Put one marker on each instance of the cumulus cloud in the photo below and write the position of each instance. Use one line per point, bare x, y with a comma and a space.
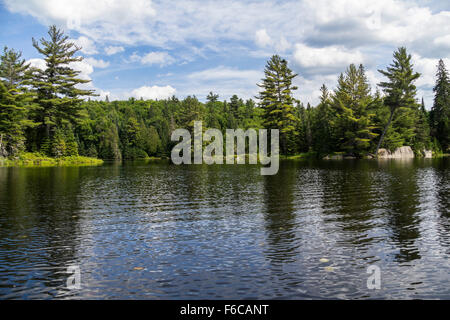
86, 44
110, 50
37, 63
160, 23
444, 40
262, 38
222, 72
326, 59
98, 63
159, 58
154, 92
95, 19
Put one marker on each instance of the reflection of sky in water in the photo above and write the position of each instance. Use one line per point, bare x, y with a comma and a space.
163, 231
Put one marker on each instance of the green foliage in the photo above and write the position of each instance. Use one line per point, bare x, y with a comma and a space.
440, 113
277, 102
33, 159
351, 102
15, 103
324, 137
400, 95
56, 87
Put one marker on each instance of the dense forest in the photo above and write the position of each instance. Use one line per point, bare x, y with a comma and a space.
45, 112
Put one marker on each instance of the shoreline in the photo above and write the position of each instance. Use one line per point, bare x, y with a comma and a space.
42, 161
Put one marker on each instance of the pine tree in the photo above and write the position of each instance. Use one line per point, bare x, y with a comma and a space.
399, 89
13, 68
351, 101
422, 139
212, 107
15, 102
322, 127
212, 97
440, 113
277, 102
56, 86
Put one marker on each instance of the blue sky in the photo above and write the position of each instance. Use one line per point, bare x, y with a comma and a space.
155, 49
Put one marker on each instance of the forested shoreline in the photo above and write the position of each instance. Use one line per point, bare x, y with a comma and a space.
44, 112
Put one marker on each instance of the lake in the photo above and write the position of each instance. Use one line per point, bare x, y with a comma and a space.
153, 230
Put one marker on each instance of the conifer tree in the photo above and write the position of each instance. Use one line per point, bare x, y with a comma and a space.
422, 130
323, 136
15, 102
440, 113
351, 101
13, 68
277, 102
56, 87
400, 90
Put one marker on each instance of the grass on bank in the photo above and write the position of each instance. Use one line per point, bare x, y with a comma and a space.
29, 159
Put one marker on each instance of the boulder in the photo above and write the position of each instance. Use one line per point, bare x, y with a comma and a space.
404, 152
384, 153
427, 154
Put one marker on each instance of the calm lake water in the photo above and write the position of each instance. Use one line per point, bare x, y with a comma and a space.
151, 230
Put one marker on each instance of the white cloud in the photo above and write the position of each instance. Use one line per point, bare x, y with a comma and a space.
374, 78
110, 50
93, 18
262, 39
283, 45
98, 63
161, 23
224, 73
326, 57
154, 92
86, 44
309, 88
222, 80
427, 68
159, 58
444, 40
37, 63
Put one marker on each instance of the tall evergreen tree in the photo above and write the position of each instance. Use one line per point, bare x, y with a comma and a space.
15, 102
351, 101
13, 68
422, 130
399, 89
323, 122
277, 102
56, 86
440, 113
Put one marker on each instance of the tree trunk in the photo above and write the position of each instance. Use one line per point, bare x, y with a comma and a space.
384, 132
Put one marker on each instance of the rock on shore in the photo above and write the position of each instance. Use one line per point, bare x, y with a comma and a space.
404, 152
